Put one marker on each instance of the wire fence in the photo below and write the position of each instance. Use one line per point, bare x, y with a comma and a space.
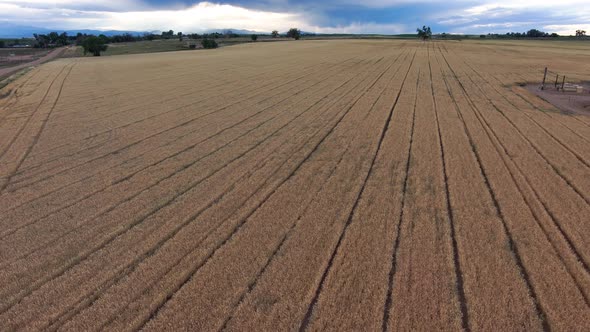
556, 81
553, 79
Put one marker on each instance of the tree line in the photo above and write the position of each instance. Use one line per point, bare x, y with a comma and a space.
96, 44
532, 33
54, 39
426, 33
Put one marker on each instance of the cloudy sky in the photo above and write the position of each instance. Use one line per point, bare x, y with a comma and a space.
328, 16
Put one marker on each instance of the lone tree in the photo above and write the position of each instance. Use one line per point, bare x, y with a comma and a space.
275, 34
254, 37
424, 33
94, 45
580, 33
294, 33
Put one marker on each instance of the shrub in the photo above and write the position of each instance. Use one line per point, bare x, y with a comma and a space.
209, 43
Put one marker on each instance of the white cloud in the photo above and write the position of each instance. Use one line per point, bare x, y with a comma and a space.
200, 17
359, 28
501, 25
205, 15
508, 15
457, 20
77, 5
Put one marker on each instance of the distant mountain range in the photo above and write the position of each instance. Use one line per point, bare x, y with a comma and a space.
236, 31
22, 31
249, 32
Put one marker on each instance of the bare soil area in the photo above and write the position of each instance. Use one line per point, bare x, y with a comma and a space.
12, 64
567, 102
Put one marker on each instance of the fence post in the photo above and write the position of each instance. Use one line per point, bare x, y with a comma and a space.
556, 79
544, 77
563, 83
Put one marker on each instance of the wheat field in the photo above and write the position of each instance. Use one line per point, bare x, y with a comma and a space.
313, 185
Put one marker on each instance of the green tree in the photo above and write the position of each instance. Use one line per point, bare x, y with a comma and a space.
94, 45
294, 33
424, 33
254, 37
2, 44
167, 34
275, 34
53, 37
209, 43
534, 33
179, 34
103, 38
580, 33
42, 41
62, 39
80, 38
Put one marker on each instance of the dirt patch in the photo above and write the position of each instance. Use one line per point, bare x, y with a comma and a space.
567, 102
23, 62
